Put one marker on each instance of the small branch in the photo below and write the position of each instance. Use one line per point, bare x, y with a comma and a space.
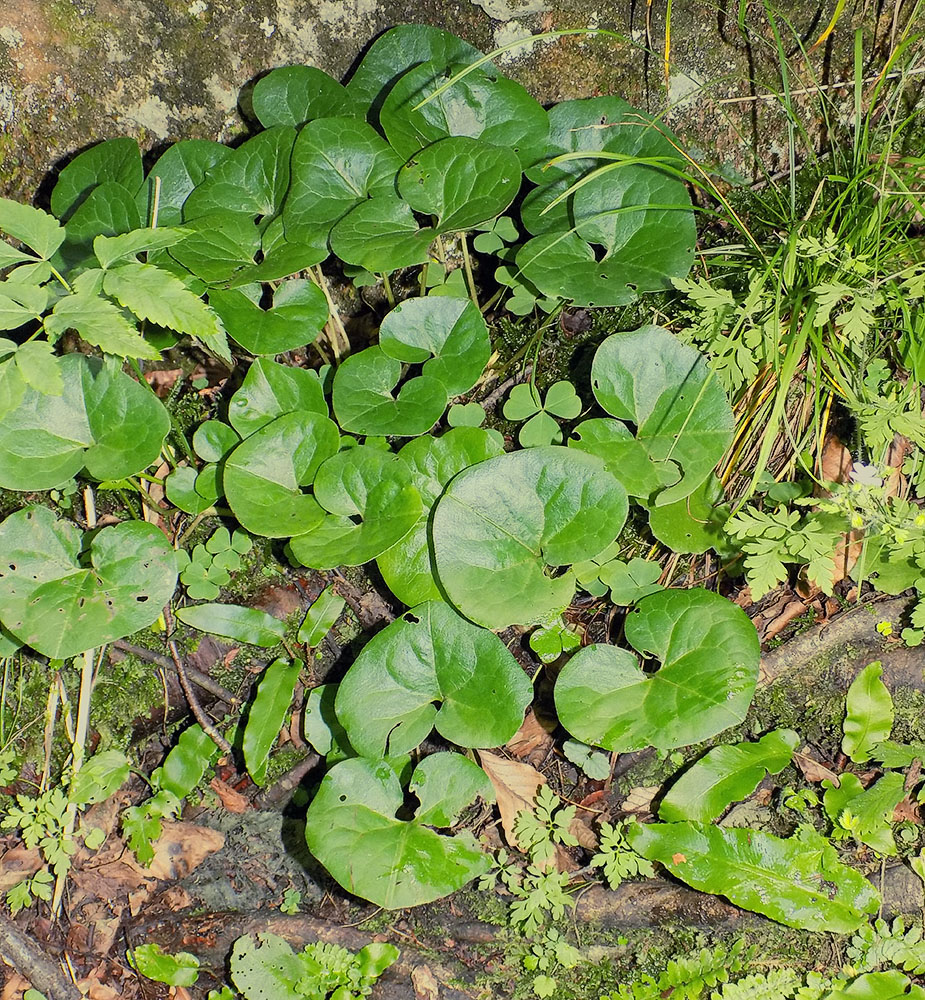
33, 964
279, 793
200, 679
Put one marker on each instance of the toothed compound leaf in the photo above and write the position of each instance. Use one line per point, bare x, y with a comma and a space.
39, 231
101, 323
432, 669
708, 649
61, 606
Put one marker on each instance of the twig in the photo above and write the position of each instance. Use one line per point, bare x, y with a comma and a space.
33, 964
838, 85
193, 701
281, 789
196, 676
492, 398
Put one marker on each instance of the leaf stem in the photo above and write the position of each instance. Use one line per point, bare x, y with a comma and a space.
467, 264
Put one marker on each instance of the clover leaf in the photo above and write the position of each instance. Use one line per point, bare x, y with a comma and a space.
363, 483
709, 653
541, 429
630, 581
501, 523
432, 669
59, 606
404, 862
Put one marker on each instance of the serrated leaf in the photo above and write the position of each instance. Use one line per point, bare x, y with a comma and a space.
109, 249
726, 774
231, 621
37, 229
39, 368
709, 653
267, 715
432, 669
868, 714
101, 323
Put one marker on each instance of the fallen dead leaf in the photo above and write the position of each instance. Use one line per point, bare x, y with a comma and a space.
163, 380
907, 811
180, 848
580, 829
533, 741
14, 986
515, 786
639, 800
232, 800
812, 769
836, 462
16, 864
791, 610
425, 983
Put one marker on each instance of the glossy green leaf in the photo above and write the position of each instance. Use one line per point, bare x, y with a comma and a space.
726, 774
868, 714
695, 522
293, 95
263, 476
798, 882
667, 389
625, 457
870, 809
231, 621
890, 985
708, 649
482, 105
501, 523
270, 390
404, 863
108, 210
337, 163
37, 229
117, 160
445, 784
180, 487
320, 617
178, 171
267, 715
185, 765
60, 605
371, 505
295, 319
213, 440
382, 235
102, 419
364, 404
320, 724
462, 182
220, 245
181, 969
398, 50
630, 581
407, 567
253, 180
432, 669
452, 330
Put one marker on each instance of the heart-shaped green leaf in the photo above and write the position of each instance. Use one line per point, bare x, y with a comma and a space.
337, 163
213, 440
61, 607
117, 160
298, 313
221, 245
481, 105
404, 863
359, 483
253, 180
708, 648
725, 775
500, 524
263, 476
694, 523
108, 210
461, 181
180, 487
382, 235
364, 403
667, 389
432, 669
798, 882
452, 330
102, 420
293, 95
179, 169
270, 390
625, 457
407, 567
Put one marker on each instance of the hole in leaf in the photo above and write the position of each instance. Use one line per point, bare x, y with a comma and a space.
141, 598
343, 798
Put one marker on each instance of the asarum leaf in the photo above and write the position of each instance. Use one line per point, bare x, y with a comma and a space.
232, 621
293, 95
220, 245
298, 313
381, 235
263, 476
482, 105
625, 456
726, 774
102, 420
501, 523
364, 404
352, 830
408, 567
868, 714
709, 652
61, 605
108, 210
693, 523
270, 390
462, 182
180, 487
213, 440
432, 669
337, 163
117, 160
179, 169
364, 483
667, 389
452, 330
798, 882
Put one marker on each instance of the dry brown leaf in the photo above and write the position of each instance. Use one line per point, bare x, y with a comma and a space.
907, 811
425, 983
533, 740
639, 800
14, 986
791, 610
580, 829
16, 864
895, 456
180, 848
836, 462
232, 800
812, 769
515, 786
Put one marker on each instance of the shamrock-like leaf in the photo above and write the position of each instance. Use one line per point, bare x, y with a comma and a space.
630, 581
